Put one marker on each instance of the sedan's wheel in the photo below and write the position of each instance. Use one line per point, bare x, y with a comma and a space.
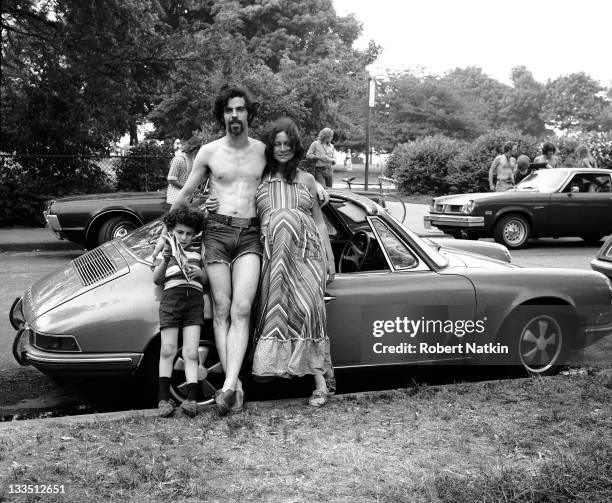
542, 335
116, 228
512, 231
210, 374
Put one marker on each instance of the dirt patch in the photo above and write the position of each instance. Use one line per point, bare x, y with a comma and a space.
507, 440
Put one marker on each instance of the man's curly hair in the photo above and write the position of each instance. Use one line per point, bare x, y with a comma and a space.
185, 215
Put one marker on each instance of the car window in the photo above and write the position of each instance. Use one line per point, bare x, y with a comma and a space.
588, 183
353, 215
399, 254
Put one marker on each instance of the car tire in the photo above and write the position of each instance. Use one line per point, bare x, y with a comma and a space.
512, 231
539, 338
116, 227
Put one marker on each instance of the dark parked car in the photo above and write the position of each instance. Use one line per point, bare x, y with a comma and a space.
548, 203
396, 300
603, 261
93, 219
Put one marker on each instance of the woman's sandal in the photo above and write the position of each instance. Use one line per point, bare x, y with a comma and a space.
318, 398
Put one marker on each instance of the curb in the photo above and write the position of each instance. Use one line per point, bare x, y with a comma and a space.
249, 406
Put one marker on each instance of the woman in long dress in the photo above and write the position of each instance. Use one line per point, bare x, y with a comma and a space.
290, 334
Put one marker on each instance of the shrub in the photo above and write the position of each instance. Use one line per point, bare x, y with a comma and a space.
144, 168
421, 166
27, 182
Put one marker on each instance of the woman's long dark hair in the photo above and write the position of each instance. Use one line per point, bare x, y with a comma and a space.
289, 169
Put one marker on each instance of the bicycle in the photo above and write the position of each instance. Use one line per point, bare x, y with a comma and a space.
387, 193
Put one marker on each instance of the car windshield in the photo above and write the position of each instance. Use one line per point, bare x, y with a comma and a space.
142, 241
544, 180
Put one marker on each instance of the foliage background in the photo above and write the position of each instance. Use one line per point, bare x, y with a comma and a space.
77, 76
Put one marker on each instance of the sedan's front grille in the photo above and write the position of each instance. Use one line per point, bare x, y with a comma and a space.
94, 266
454, 208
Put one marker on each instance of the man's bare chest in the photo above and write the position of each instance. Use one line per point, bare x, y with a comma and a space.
237, 166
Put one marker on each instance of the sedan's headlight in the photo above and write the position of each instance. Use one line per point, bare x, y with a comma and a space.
54, 342
468, 207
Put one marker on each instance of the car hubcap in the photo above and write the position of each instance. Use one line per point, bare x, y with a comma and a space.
514, 232
540, 343
122, 231
210, 376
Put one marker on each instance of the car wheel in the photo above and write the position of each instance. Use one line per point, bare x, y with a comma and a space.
116, 228
539, 338
210, 374
512, 231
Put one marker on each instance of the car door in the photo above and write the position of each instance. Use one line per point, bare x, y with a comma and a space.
583, 206
399, 314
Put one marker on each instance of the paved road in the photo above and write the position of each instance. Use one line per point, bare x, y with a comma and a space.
21, 387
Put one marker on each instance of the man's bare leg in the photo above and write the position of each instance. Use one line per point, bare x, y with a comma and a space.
245, 278
220, 280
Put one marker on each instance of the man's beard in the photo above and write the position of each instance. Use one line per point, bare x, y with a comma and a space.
232, 129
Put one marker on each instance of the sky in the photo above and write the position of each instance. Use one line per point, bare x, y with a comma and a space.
550, 38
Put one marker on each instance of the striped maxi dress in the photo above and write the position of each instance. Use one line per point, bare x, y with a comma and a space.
290, 334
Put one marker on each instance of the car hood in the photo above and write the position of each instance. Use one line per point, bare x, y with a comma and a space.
112, 196
80, 275
460, 199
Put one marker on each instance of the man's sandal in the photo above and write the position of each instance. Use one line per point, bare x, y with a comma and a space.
318, 398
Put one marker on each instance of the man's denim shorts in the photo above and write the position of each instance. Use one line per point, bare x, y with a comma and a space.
228, 238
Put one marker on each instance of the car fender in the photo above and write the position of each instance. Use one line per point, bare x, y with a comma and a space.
505, 210
96, 220
499, 294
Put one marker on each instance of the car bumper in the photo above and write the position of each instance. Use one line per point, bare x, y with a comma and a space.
73, 364
602, 266
458, 221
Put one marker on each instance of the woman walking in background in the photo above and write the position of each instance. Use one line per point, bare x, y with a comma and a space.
291, 334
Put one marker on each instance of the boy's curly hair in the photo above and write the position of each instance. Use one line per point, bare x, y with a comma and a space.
185, 215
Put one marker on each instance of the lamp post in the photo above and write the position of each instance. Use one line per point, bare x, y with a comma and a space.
371, 95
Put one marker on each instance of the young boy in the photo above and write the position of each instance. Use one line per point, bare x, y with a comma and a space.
183, 277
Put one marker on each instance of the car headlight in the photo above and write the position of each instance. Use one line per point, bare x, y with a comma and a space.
468, 207
54, 342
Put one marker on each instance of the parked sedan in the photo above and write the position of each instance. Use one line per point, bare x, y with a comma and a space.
548, 203
93, 219
396, 300
603, 261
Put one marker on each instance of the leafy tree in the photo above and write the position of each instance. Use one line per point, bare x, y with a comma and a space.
574, 102
522, 105
481, 94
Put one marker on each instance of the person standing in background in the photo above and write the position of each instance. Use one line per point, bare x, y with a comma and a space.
180, 167
501, 173
548, 156
323, 153
586, 160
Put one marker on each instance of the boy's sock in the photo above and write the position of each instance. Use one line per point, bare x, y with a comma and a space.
192, 391
164, 388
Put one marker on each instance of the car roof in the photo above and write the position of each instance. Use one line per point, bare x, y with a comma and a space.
584, 170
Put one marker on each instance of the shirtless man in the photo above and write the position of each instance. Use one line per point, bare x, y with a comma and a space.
234, 165
548, 156
501, 173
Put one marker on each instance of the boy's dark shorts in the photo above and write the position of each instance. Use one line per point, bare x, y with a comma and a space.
181, 306
228, 238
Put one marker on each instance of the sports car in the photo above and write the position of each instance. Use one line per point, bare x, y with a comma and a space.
548, 203
396, 300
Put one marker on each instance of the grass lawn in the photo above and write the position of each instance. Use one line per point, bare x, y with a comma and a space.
539, 439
